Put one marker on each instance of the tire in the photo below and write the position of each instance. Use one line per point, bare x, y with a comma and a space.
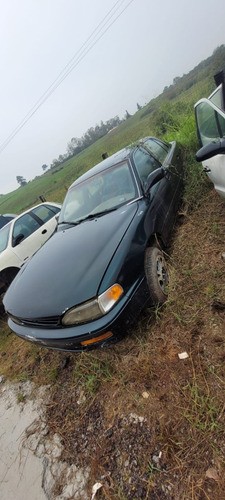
5, 280
2, 293
156, 274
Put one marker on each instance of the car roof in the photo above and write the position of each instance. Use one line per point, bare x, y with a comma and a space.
8, 215
7, 225
5, 218
31, 208
117, 157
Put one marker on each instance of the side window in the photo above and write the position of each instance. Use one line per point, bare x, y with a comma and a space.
54, 209
216, 97
159, 150
4, 236
221, 121
45, 212
25, 225
208, 123
144, 163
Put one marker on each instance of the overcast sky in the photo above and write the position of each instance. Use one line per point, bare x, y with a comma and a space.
144, 49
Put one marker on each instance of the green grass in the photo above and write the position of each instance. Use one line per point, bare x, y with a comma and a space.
21, 397
90, 371
202, 411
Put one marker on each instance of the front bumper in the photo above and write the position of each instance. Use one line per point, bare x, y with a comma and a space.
116, 321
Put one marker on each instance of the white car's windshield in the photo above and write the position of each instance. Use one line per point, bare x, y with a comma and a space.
4, 236
101, 193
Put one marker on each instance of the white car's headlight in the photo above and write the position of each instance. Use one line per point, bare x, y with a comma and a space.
95, 308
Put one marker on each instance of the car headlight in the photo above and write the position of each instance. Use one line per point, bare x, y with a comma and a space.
93, 309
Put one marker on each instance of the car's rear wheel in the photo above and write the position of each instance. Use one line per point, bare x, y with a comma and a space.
157, 274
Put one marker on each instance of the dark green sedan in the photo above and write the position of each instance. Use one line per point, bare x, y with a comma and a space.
105, 262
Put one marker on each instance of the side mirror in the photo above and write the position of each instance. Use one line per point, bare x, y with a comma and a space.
210, 150
18, 239
153, 178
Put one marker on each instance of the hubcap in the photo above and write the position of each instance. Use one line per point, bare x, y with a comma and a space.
162, 274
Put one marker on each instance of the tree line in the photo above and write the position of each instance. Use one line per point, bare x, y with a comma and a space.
78, 144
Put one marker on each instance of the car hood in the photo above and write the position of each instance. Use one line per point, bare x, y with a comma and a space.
69, 268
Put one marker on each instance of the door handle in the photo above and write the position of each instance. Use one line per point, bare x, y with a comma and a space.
44, 231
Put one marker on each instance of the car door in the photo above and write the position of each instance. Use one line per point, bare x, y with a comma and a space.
25, 237
47, 215
210, 121
163, 195
30, 231
167, 154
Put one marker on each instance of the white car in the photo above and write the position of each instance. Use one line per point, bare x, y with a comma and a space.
22, 237
210, 120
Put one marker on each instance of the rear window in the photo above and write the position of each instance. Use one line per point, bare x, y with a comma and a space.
45, 212
158, 149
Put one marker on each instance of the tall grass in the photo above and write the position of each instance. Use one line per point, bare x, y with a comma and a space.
183, 130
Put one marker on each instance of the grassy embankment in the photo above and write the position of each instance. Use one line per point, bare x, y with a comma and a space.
97, 398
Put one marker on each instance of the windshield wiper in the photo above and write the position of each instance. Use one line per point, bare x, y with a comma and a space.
88, 217
69, 223
97, 214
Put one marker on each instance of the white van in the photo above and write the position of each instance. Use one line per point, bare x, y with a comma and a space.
210, 121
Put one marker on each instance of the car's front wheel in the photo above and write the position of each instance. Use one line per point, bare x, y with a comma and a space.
6, 278
157, 274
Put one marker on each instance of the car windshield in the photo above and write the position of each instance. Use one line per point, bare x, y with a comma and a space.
4, 236
98, 194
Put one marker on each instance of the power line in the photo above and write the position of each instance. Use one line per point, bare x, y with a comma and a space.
54, 84
90, 42
71, 60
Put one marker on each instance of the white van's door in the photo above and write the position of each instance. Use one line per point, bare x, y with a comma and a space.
210, 122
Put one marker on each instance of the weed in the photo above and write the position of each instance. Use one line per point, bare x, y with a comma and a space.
202, 412
215, 228
210, 290
178, 317
52, 374
92, 383
152, 469
90, 371
21, 397
22, 377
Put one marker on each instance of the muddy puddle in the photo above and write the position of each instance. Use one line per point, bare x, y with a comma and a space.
30, 465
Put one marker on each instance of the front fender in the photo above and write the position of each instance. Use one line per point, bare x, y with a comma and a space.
127, 264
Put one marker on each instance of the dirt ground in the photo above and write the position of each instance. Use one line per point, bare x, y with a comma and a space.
147, 424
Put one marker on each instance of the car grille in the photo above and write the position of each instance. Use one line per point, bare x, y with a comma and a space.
49, 322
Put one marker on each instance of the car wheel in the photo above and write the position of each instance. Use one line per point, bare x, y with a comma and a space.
156, 274
5, 280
